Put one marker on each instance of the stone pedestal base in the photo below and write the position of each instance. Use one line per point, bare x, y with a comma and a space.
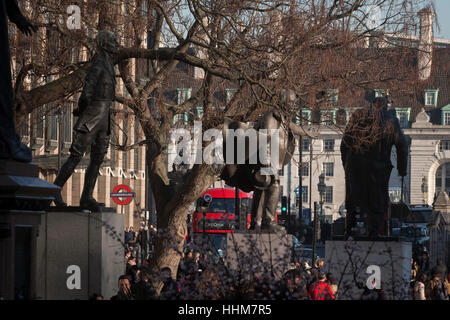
352, 264
256, 254
89, 243
23, 199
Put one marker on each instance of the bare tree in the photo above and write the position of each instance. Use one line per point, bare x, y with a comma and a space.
258, 47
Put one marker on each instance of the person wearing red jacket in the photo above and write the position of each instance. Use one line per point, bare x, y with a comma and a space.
321, 290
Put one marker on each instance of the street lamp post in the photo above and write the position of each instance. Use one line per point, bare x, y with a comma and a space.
59, 115
321, 187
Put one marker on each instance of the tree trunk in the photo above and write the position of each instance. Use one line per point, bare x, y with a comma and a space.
172, 227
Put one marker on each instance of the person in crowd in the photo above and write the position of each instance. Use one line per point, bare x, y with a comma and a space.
264, 288
412, 282
293, 286
197, 262
142, 240
424, 263
130, 263
318, 267
130, 239
190, 266
332, 282
143, 289
133, 274
203, 263
440, 268
447, 283
321, 290
210, 286
152, 231
419, 286
128, 236
170, 288
436, 289
181, 267
124, 289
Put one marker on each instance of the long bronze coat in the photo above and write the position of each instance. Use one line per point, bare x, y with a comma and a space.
98, 89
366, 157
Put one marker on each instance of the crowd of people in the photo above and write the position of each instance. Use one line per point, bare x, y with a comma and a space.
428, 283
204, 276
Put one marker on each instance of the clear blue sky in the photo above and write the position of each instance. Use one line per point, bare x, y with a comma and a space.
443, 17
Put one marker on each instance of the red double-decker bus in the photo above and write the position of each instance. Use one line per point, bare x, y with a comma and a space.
215, 218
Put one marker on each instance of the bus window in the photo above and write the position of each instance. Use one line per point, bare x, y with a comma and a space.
219, 205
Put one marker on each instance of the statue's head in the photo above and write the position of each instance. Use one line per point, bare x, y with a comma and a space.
107, 41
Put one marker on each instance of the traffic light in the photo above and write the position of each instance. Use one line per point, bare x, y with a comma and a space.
284, 205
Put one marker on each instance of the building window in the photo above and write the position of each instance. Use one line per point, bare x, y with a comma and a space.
305, 194
51, 124
328, 198
443, 178
444, 145
446, 115
305, 144
403, 116
67, 123
305, 169
183, 95
328, 145
379, 93
333, 95
328, 169
431, 97
39, 125
305, 118
446, 119
327, 117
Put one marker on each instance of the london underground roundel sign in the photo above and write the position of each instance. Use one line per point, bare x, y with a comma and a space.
124, 192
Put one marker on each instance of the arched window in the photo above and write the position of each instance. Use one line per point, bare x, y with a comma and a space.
443, 178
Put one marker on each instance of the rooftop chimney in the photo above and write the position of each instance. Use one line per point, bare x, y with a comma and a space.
425, 54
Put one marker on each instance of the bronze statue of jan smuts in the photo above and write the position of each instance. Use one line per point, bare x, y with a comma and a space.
92, 130
366, 157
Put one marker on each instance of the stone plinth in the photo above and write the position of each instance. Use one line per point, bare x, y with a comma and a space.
91, 241
349, 261
23, 199
259, 253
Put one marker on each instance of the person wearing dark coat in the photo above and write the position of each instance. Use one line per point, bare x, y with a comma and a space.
10, 145
143, 289
440, 269
142, 239
124, 292
170, 287
366, 157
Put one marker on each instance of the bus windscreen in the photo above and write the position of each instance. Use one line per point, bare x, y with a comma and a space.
218, 205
